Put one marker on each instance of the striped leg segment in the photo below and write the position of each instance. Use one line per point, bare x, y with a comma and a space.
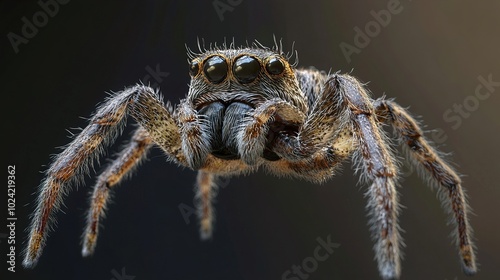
129, 158
426, 158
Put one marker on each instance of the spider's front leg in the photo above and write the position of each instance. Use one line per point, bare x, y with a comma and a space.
378, 167
342, 117
145, 105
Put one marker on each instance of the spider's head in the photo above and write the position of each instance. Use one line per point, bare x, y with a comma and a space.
248, 75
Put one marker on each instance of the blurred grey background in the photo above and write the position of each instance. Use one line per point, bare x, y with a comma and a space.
430, 56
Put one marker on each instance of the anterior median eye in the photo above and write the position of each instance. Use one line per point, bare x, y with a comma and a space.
275, 66
215, 69
246, 69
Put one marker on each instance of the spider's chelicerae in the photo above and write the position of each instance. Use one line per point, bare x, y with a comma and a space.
248, 108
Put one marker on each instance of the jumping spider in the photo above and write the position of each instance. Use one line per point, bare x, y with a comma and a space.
247, 108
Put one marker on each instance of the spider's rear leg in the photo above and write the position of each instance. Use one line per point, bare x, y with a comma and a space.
426, 158
206, 190
145, 105
120, 167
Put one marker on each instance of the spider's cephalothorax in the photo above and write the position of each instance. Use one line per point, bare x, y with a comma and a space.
248, 108
226, 86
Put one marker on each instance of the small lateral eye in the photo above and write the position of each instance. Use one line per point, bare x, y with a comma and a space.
215, 69
194, 68
275, 66
246, 69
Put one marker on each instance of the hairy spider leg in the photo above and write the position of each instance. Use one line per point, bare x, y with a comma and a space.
378, 164
129, 157
146, 107
344, 106
428, 160
206, 190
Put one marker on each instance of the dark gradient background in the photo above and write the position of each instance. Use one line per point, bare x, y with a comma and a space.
428, 57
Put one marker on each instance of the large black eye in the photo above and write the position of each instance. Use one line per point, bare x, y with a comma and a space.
275, 66
194, 68
246, 69
215, 69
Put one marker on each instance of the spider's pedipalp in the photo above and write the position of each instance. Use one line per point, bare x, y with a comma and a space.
323, 138
258, 130
129, 158
196, 140
427, 159
325, 120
